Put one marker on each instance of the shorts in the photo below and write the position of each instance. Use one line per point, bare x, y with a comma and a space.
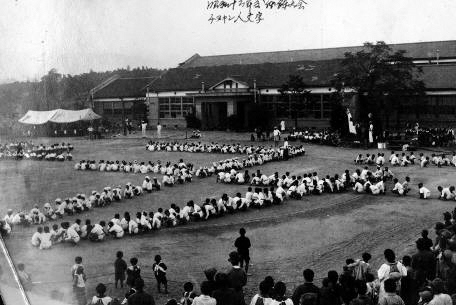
161, 279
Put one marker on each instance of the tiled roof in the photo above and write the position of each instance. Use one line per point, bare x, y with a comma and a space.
273, 75
418, 50
124, 87
267, 75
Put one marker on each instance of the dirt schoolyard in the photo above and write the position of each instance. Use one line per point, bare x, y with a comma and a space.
317, 232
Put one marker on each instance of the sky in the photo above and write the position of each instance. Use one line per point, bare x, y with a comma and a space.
76, 36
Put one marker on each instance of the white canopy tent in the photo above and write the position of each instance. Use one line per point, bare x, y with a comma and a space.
58, 116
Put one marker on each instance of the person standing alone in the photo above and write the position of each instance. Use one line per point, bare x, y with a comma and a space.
243, 245
159, 130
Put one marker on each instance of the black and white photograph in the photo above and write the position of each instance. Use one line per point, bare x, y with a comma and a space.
227, 152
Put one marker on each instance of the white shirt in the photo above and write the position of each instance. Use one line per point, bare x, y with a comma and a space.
266, 301
426, 192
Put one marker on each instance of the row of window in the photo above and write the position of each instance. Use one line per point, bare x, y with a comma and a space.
175, 107
315, 106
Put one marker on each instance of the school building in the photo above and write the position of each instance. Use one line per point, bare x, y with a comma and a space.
213, 88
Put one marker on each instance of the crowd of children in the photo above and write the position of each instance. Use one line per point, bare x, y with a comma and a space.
136, 167
404, 159
317, 137
29, 151
214, 148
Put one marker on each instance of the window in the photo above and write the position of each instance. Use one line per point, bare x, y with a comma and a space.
175, 107
163, 103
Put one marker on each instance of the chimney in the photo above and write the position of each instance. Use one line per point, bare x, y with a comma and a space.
438, 55
202, 86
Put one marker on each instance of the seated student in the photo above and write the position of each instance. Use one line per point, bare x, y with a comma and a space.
424, 161
137, 190
69, 209
157, 219
57, 234
395, 160
46, 239
405, 160
98, 232
359, 159
36, 237
423, 191
115, 230
133, 227
405, 185
219, 207
128, 191
208, 209
446, 193
358, 188
72, 233
168, 180
380, 159
85, 229
36, 215
5, 228
255, 180
398, 188
144, 224
116, 193
453, 159
377, 188
169, 219
195, 210
387, 173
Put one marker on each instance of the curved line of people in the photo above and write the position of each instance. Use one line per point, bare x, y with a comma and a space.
214, 148
80, 203
29, 151
144, 222
402, 159
135, 167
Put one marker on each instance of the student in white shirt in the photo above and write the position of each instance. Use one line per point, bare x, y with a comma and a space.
147, 184
398, 188
358, 188
36, 237
98, 233
423, 191
115, 230
446, 193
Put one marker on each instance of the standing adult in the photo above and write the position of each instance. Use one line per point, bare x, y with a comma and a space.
143, 128
159, 130
243, 245
276, 135
282, 126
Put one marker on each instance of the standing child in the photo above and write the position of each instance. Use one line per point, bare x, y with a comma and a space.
133, 272
77, 263
120, 266
160, 273
79, 288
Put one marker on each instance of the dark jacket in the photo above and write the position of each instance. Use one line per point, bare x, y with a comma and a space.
140, 298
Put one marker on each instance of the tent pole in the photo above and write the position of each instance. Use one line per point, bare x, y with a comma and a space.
16, 276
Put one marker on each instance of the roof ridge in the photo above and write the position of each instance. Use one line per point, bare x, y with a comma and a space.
328, 48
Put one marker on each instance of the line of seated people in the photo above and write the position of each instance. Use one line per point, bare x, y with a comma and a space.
30, 151
144, 222
402, 159
212, 147
134, 167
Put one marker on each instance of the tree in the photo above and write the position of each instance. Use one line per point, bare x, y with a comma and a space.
380, 77
298, 96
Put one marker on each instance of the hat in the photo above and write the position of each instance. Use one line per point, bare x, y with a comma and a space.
94, 192
58, 200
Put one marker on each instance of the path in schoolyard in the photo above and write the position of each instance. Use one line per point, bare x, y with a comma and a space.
318, 232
